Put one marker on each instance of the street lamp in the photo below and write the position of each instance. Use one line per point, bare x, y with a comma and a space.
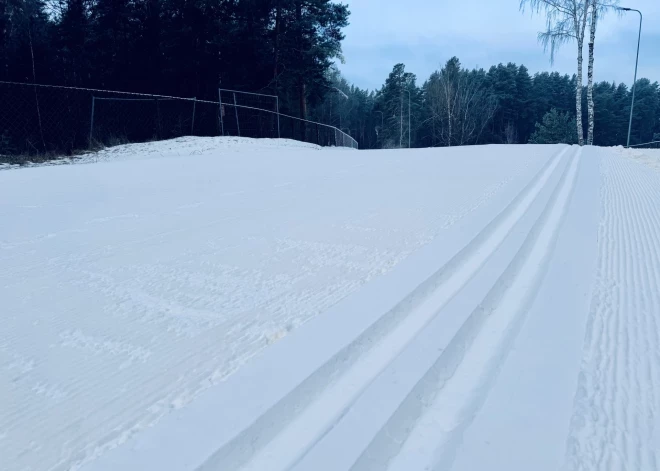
338, 91
408, 118
639, 37
382, 120
632, 104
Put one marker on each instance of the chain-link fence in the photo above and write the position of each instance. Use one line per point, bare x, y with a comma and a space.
646, 145
46, 121
253, 103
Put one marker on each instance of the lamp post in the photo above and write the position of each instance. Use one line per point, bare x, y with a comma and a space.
382, 121
339, 92
408, 118
632, 103
381, 118
639, 37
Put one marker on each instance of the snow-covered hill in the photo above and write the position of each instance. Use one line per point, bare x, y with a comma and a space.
179, 147
208, 304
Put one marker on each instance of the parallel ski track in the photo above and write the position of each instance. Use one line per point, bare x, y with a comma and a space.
617, 409
315, 406
432, 437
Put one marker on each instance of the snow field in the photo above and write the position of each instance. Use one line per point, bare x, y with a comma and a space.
132, 285
240, 305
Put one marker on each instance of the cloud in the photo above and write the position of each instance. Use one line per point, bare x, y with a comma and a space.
423, 34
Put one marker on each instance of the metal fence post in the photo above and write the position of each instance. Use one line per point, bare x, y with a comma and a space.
277, 101
220, 112
158, 130
238, 126
318, 135
91, 122
192, 126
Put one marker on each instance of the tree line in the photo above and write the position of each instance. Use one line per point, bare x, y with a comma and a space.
504, 104
190, 48
457, 106
187, 48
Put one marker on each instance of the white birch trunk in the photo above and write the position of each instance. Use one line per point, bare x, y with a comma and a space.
580, 21
590, 72
578, 95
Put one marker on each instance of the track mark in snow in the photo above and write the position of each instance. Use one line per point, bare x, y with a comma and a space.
103, 346
451, 219
432, 438
17, 366
112, 218
615, 423
372, 351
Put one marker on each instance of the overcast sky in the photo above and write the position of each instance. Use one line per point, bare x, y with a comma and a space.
423, 34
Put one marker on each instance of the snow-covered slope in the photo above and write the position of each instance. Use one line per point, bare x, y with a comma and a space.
278, 308
180, 147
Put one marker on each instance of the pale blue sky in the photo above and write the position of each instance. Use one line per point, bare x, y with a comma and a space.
425, 33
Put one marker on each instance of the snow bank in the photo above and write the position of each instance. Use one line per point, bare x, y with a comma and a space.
178, 147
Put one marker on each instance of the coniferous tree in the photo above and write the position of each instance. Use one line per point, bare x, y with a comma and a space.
391, 101
524, 100
309, 39
556, 128
644, 123
72, 39
286, 47
504, 89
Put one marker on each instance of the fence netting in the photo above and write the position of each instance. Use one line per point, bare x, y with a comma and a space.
43, 120
647, 145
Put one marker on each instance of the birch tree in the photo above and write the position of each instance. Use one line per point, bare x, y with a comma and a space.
590, 72
566, 20
459, 105
598, 8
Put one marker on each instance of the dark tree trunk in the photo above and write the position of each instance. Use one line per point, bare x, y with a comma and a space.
276, 59
302, 89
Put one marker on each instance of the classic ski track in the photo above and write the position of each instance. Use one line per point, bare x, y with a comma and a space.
312, 408
435, 433
614, 423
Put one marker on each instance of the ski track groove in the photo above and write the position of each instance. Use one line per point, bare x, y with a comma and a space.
438, 430
614, 419
318, 417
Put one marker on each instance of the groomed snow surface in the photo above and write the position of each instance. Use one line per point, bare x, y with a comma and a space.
230, 304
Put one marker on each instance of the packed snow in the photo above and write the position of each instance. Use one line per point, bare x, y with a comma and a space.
648, 157
232, 304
